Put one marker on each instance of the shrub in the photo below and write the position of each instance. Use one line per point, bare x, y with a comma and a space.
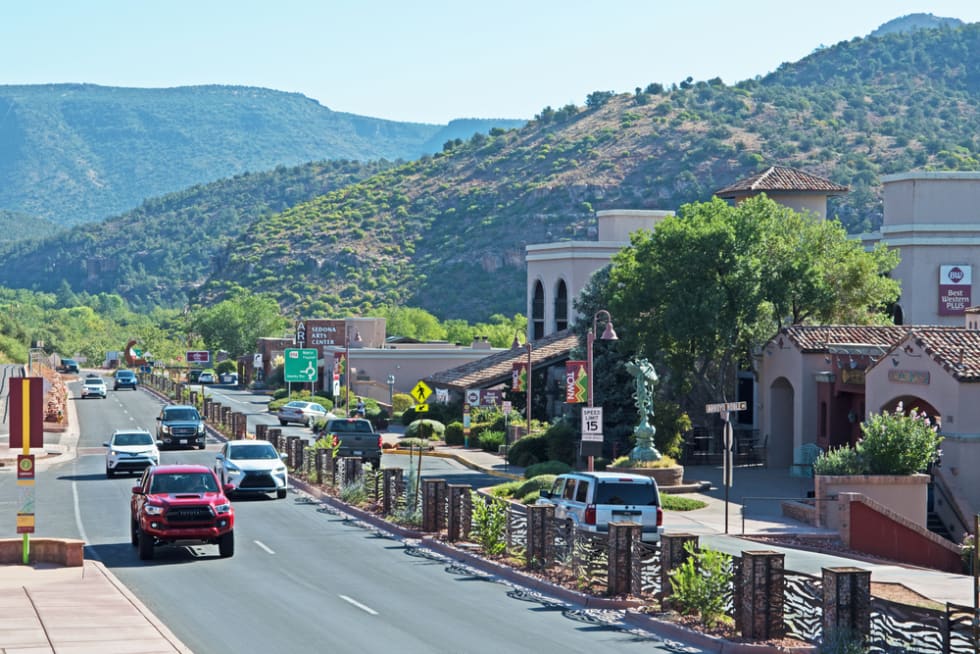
893, 444
700, 583
401, 402
506, 489
225, 366
425, 429
562, 442
414, 443
491, 441
678, 503
528, 450
546, 468
454, 433
533, 485
626, 462
489, 523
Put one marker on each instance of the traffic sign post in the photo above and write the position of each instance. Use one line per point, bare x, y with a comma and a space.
592, 424
727, 442
300, 365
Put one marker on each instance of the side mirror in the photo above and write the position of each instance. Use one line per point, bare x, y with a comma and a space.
229, 489
283, 456
159, 418
138, 490
159, 443
219, 457
106, 444
545, 493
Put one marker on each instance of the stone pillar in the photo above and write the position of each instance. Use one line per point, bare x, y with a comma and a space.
294, 454
847, 601
261, 431
454, 516
672, 555
433, 504
241, 423
540, 544
622, 536
225, 416
206, 411
193, 398
759, 600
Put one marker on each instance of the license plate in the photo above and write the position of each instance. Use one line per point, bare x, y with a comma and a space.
183, 441
626, 513
358, 452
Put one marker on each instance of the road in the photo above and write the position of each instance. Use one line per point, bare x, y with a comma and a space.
302, 577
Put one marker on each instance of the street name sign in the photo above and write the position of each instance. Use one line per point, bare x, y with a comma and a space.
725, 406
300, 365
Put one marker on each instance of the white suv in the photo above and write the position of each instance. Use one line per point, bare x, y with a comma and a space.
130, 450
591, 500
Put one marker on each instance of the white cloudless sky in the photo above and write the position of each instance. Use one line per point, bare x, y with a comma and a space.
429, 61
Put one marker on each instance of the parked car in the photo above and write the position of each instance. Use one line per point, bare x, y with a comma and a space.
69, 365
125, 378
130, 450
252, 466
181, 425
303, 413
180, 504
591, 500
94, 387
206, 377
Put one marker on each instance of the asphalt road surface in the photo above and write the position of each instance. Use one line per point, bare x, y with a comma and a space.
302, 578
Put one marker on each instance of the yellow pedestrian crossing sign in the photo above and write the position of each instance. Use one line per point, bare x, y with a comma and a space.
421, 392
421, 408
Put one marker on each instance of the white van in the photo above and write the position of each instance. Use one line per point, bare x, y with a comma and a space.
591, 500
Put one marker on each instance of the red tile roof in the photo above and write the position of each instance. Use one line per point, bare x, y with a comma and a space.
819, 338
779, 179
957, 350
497, 368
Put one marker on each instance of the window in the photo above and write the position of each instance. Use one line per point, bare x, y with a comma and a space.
569, 489
537, 311
582, 494
561, 306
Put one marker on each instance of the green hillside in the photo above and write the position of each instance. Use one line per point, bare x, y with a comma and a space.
447, 232
76, 153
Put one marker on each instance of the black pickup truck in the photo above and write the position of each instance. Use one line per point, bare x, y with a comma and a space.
356, 437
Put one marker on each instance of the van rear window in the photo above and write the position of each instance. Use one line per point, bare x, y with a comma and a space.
616, 493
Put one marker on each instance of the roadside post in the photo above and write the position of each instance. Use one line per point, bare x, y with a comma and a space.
26, 402
727, 444
466, 425
506, 407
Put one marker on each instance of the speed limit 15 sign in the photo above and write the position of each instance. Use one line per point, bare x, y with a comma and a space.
592, 423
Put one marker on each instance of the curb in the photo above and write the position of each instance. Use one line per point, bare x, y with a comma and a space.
461, 461
121, 588
632, 616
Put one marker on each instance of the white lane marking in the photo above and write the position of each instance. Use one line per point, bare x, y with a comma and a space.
354, 602
264, 546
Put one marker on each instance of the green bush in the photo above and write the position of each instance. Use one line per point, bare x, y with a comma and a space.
506, 489
893, 444
401, 402
225, 366
454, 433
425, 429
528, 450
533, 485
489, 523
546, 468
491, 441
414, 443
700, 583
562, 442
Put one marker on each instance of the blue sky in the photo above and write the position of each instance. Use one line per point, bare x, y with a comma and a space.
428, 61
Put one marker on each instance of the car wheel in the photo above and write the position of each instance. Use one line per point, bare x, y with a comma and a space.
375, 464
310, 421
109, 474
134, 534
283, 422
145, 546
226, 545
202, 445
281, 493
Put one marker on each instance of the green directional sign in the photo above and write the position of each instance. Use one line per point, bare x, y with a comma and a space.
300, 365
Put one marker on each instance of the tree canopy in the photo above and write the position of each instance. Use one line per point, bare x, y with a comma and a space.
235, 324
704, 290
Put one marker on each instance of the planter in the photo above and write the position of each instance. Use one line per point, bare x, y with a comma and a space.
672, 476
905, 495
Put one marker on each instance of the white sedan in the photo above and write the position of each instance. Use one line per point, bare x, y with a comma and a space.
252, 466
131, 450
304, 413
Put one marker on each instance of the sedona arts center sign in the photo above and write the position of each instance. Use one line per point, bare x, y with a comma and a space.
955, 285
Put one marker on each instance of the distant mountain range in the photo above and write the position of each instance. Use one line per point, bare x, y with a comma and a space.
78, 153
447, 231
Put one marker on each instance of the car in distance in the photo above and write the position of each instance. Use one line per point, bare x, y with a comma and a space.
303, 413
251, 466
354, 437
69, 365
130, 450
180, 425
125, 379
94, 387
206, 377
180, 505
591, 500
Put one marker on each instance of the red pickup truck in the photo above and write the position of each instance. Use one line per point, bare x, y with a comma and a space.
181, 505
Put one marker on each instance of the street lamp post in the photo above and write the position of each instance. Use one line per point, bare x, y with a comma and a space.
608, 334
347, 368
391, 392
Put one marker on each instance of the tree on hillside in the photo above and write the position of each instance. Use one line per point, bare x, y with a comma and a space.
704, 290
237, 323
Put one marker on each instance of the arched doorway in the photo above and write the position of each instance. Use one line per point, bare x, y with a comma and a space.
910, 402
781, 421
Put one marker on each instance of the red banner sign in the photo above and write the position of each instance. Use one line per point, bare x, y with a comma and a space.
26, 412
576, 382
519, 377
